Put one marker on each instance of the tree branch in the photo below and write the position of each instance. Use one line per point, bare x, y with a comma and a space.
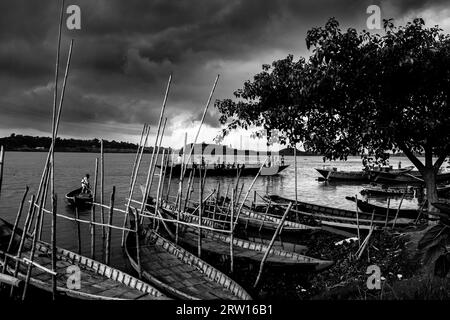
419, 165
440, 161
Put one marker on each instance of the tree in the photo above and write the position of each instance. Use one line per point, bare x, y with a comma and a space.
357, 92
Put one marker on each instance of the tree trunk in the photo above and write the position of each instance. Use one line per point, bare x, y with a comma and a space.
429, 176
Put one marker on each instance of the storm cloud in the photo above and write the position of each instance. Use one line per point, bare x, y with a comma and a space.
126, 50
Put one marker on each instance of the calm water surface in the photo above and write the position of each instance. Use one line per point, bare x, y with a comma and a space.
25, 168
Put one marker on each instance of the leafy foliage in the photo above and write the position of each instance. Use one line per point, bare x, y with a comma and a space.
357, 92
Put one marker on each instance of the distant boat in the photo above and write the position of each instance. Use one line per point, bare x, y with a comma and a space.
229, 171
382, 190
336, 217
79, 199
412, 177
332, 174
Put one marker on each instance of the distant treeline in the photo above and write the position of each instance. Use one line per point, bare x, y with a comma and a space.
17, 142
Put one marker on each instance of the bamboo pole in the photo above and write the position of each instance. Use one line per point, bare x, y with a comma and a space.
102, 186
182, 170
265, 214
271, 244
16, 222
33, 250
217, 199
154, 160
110, 221
138, 151
55, 208
158, 191
202, 119
14, 231
43, 200
398, 210
44, 173
170, 177
133, 183
200, 181
357, 220
164, 165
179, 199
248, 192
94, 198
77, 216
152, 169
2, 161
189, 191
52, 157
44, 204
138, 246
231, 235
27, 223
158, 149
387, 212
296, 183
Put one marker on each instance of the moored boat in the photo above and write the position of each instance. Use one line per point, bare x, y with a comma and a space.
333, 174
219, 243
365, 206
336, 217
178, 272
97, 281
444, 207
217, 170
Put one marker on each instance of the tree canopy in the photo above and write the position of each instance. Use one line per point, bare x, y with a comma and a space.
357, 92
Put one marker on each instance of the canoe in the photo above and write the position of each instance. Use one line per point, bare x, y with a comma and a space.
251, 219
248, 170
413, 177
386, 191
380, 210
219, 243
332, 174
444, 207
336, 217
98, 281
178, 272
79, 199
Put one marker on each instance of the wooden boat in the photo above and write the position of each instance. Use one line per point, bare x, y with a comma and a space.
253, 219
335, 217
332, 174
389, 191
248, 170
180, 273
413, 177
79, 199
444, 207
219, 243
380, 210
98, 281
260, 221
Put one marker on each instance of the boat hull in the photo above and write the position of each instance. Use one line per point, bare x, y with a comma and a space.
231, 172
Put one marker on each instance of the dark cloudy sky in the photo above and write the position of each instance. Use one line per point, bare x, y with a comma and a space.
126, 50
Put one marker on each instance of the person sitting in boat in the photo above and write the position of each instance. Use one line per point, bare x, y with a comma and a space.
85, 186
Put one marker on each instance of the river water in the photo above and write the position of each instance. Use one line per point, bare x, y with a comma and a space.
25, 168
